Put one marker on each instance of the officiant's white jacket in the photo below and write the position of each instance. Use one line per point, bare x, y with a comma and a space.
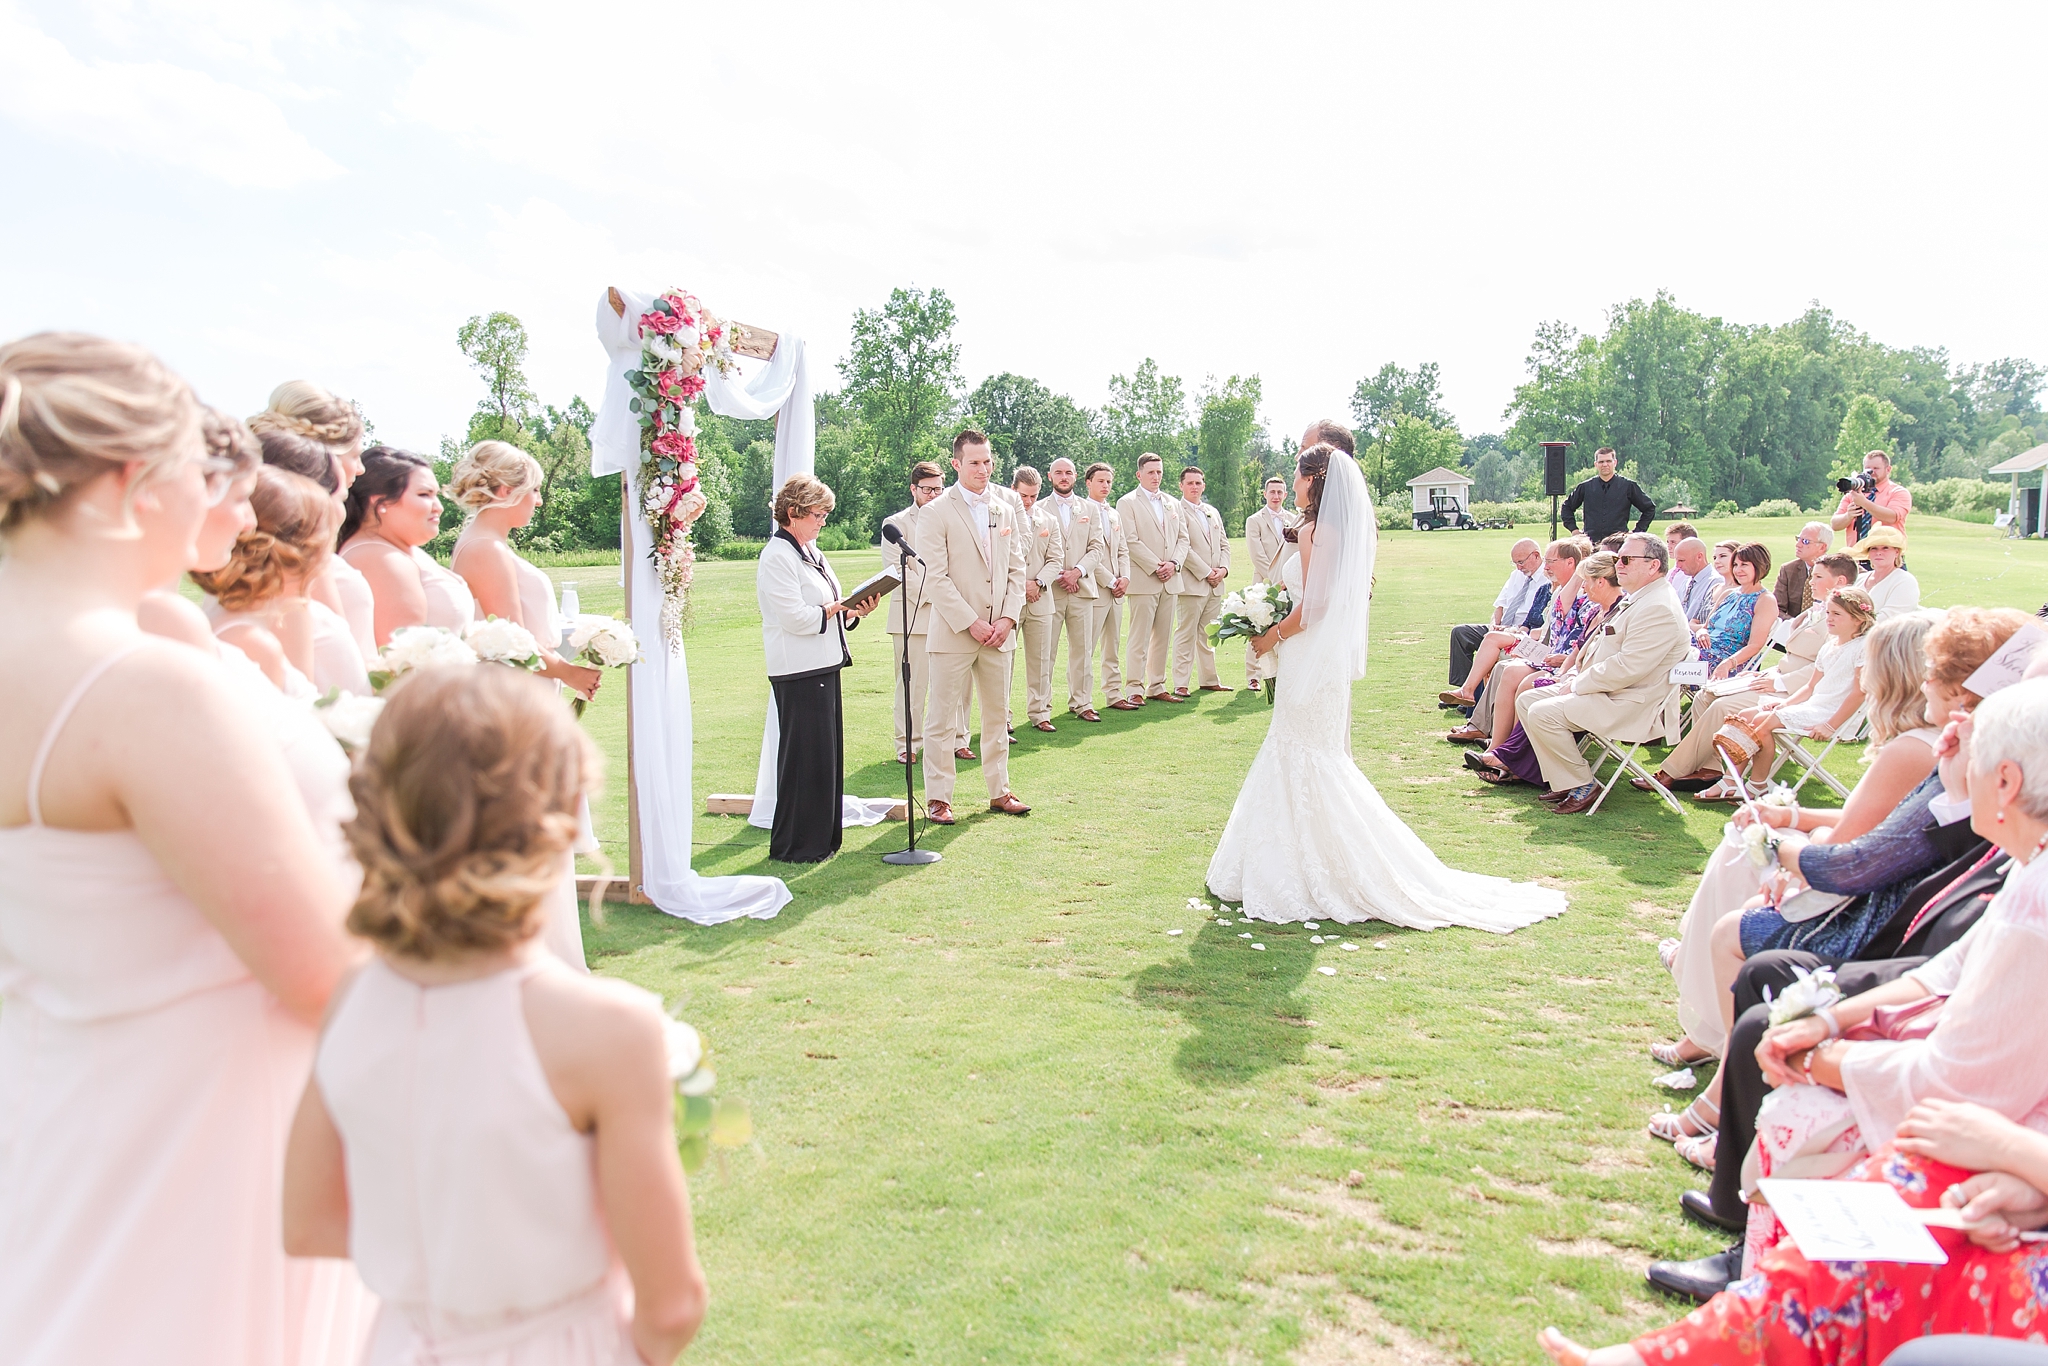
792, 592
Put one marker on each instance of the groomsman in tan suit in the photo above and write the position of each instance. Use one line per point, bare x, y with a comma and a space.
1043, 555
1207, 566
1623, 678
1157, 538
1113, 579
1083, 546
1265, 532
926, 483
973, 549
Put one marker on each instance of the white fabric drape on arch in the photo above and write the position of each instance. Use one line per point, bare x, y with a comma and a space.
663, 731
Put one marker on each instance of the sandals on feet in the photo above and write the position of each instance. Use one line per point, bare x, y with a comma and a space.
1687, 1123
1674, 1056
1698, 1151
1667, 951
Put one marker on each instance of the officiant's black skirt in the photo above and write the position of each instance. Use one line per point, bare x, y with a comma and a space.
810, 768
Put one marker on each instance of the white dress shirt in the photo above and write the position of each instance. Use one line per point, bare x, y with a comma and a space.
977, 503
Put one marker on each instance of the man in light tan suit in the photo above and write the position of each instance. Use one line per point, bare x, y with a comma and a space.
973, 551
926, 483
1043, 554
1074, 589
1113, 578
1694, 765
1265, 534
1156, 536
1208, 565
1623, 681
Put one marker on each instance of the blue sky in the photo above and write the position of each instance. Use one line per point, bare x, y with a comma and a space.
268, 191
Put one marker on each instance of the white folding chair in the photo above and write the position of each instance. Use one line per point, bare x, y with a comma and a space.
1623, 746
1790, 751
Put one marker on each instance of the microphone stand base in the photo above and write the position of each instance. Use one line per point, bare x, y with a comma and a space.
902, 856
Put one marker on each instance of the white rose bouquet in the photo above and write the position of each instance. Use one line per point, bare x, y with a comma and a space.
498, 641
1252, 612
418, 647
701, 1122
603, 643
348, 718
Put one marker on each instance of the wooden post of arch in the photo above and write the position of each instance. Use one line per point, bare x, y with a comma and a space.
758, 343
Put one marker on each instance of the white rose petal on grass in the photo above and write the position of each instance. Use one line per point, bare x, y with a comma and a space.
1681, 1080
1327, 972
1260, 947
1310, 925
1315, 939
1246, 935
1173, 931
1351, 948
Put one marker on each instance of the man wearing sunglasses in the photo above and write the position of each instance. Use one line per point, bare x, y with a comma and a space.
1794, 588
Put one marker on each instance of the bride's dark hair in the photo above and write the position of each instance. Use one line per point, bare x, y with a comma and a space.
1314, 465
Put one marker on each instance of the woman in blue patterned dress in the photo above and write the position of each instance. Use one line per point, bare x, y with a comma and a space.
1741, 625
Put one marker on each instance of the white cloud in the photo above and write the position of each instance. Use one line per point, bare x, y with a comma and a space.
152, 111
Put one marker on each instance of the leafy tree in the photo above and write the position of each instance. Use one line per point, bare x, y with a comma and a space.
496, 346
755, 489
1410, 446
1379, 399
1028, 424
1865, 427
1495, 478
1230, 413
1476, 447
1146, 411
902, 371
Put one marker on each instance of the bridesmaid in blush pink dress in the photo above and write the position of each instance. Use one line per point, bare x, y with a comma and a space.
311, 432
169, 917
393, 510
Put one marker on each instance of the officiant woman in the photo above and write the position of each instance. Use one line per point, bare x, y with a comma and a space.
803, 630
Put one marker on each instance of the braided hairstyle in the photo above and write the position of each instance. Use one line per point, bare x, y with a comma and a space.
295, 522
487, 467
465, 810
303, 409
74, 407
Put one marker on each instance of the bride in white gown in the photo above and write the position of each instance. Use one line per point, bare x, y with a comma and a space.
1310, 837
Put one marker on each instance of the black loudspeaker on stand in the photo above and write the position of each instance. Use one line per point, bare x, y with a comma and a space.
1553, 477
911, 854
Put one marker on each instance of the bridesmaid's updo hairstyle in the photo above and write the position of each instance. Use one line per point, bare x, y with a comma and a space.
295, 521
1314, 465
303, 409
228, 440
465, 811
74, 407
491, 472
386, 472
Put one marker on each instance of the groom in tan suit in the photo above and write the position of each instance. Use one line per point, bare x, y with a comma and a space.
1623, 679
1208, 565
1265, 533
973, 551
1157, 539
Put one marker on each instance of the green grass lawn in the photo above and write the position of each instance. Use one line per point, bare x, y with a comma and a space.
1004, 1116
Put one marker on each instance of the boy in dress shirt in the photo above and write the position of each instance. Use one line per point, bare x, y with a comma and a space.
1208, 565
1156, 536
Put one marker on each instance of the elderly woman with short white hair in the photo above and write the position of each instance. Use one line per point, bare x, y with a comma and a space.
803, 631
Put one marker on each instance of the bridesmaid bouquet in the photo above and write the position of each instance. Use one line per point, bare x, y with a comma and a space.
1252, 612
701, 1122
418, 647
602, 642
497, 641
348, 718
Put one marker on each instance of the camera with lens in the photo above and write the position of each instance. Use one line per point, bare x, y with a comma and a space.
1863, 482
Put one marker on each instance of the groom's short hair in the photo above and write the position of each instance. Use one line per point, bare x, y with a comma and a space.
1336, 434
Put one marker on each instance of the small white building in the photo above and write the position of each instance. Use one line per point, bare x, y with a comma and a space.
2025, 469
1442, 490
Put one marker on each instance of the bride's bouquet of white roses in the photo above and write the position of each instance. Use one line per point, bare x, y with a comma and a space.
1252, 612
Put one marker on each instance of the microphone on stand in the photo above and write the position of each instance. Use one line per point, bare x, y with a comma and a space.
895, 538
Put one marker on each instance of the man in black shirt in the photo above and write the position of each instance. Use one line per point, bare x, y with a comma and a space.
1607, 499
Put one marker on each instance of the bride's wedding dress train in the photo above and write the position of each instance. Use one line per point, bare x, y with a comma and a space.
1310, 837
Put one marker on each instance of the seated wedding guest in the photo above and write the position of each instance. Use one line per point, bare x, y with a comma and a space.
487, 1134
1695, 759
312, 433
1673, 534
394, 508
1511, 758
803, 631
1695, 580
499, 486
1890, 587
1623, 683
1820, 707
231, 450
1612, 544
1560, 570
1566, 622
1792, 591
926, 483
1517, 604
151, 1026
1897, 705
1740, 625
1893, 1089
259, 600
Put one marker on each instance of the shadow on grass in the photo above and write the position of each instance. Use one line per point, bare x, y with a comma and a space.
1244, 1004
1633, 833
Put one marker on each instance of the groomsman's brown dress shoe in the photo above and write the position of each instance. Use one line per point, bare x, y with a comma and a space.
1009, 805
963, 753
1045, 726
1253, 685
1216, 687
1123, 704
1165, 697
1181, 695
1088, 713
939, 813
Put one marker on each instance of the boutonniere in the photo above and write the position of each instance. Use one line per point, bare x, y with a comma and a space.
1003, 530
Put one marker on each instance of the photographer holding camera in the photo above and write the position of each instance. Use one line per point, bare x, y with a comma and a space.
1871, 499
